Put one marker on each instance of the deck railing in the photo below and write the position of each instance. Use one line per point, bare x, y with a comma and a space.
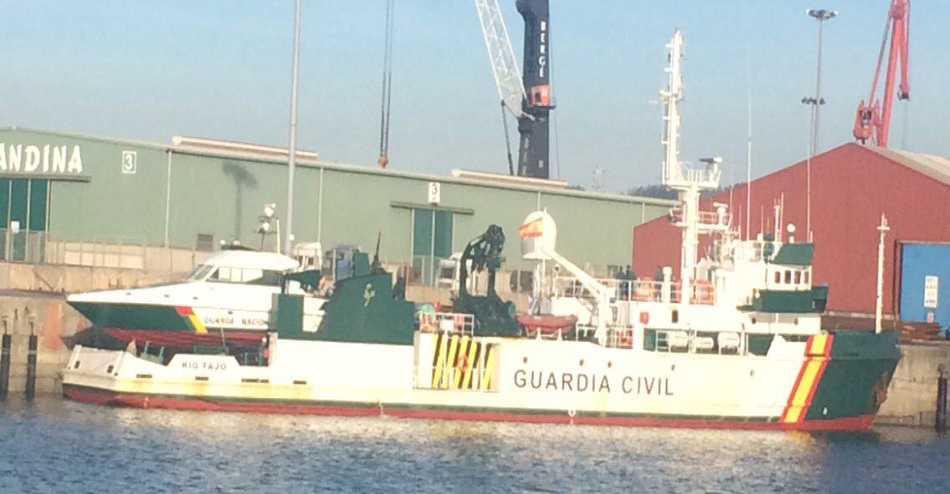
640, 290
446, 321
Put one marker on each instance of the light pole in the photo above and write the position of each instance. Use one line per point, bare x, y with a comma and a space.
292, 152
265, 221
821, 15
878, 304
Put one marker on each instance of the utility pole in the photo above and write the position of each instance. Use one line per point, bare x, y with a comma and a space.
821, 15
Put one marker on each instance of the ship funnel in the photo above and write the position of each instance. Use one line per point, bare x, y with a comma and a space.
538, 235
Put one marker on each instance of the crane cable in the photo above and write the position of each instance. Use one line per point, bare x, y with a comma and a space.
387, 87
504, 121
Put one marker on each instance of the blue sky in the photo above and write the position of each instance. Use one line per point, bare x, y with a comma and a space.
221, 69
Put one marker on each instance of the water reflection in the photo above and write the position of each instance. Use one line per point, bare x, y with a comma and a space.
61, 446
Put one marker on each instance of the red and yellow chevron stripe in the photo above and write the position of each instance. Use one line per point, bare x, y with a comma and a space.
817, 353
192, 319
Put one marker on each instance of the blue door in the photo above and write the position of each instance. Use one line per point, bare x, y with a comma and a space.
918, 261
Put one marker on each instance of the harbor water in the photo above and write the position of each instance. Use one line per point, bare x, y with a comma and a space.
54, 445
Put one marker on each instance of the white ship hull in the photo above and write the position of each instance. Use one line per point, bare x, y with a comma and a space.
454, 376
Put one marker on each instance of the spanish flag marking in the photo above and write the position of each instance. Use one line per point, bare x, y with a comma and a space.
531, 229
192, 319
819, 345
817, 355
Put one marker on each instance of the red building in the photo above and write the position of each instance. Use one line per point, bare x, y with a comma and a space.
851, 186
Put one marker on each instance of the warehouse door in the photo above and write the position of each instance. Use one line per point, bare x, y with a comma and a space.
431, 242
23, 218
925, 283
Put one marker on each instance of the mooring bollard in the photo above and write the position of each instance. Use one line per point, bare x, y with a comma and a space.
5, 363
941, 422
31, 368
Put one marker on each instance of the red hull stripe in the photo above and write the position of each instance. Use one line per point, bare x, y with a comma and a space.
100, 397
183, 339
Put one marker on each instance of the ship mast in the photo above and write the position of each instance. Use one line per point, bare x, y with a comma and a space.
687, 183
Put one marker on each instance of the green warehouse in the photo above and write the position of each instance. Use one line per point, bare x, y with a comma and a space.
72, 199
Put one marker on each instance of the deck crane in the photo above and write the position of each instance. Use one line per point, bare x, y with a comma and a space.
873, 120
530, 107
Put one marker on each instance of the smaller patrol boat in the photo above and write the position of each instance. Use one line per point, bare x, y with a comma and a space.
230, 295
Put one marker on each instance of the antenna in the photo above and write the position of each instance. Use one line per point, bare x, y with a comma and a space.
748, 156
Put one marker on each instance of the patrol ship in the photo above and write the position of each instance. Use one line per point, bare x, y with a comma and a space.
736, 342
647, 354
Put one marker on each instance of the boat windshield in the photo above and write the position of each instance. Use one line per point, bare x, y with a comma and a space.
200, 272
247, 276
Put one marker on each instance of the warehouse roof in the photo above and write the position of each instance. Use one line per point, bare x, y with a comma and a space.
935, 167
310, 159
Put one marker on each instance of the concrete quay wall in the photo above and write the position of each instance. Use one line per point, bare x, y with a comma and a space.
47, 316
912, 395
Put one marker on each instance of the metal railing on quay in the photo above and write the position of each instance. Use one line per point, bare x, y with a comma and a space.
23, 246
113, 252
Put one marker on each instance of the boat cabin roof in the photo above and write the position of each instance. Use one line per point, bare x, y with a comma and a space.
795, 254
244, 259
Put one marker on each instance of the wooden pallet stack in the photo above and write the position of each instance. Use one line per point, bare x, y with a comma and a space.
908, 331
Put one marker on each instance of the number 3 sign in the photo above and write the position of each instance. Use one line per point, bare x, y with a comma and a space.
129, 159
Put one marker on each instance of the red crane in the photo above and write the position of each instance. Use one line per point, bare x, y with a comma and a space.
873, 120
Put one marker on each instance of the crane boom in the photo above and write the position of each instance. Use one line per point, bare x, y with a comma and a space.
530, 107
504, 65
873, 120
